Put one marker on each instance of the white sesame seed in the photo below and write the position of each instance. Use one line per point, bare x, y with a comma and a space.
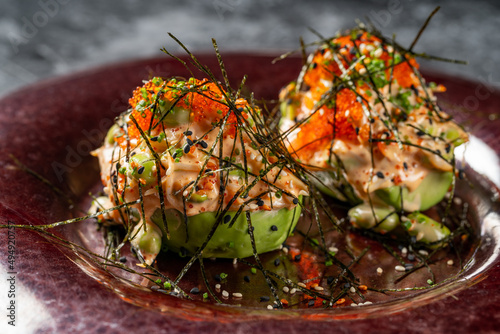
237, 295
285, 250
286, 289
292, 291
352, 289
318, 288
362, 70
235, 262
450, 262
269, 307
301, 284
380, 270
423, 252
367, 303
400, 268
420, 235
225, 293
217, 287
457, 200
378, 52
354, 304
185, 193
404, 251
333, 249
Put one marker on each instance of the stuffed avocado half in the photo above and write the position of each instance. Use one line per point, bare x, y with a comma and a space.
362, 118
187, 167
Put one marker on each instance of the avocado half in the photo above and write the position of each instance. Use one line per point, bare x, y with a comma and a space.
271, 228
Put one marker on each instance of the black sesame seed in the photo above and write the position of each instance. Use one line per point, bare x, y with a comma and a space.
154, 138
420, 133
246, 278
357, 131
140, 170
203, 144
297, 257
347, 285
408, 266
208, 171
461, 174
411, 257
295, 201
195, 291
250, 229
123, 259
274, 228
277, 262
413, 239
314, 65
174, 155
188, 133
329, 280
227, 219
260, 202
264, 298
311, 303
183, 252
240, 109
405, 165
189, 141
352, 51
187, 148
217, 278
132, 154
380, 175
448, 148
372, 120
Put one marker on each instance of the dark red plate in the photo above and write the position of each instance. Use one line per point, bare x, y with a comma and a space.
52, 126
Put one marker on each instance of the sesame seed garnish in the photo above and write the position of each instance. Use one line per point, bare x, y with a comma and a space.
297, 257
408, 266
405, 165
329, 280
274, 228
352, 289
400, 268
277, 262
187, 148
227, 219
217, 287
311, 303
354, 304
301, 284
195, 291
286, 289
450, 262
188, 133
269, 307
264, 298
333, 249
423, 252
140, 170
237, 295
292, 291
154, 138
260, 202
404, 251
319, 288
123, 259
380, 175
189, 141
379, 270
285, 250
295, 201
246, 278
225, 293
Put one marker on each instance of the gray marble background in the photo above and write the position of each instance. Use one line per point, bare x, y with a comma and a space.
46, 38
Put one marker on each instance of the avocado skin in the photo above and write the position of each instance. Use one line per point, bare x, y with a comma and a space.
431, 190
229, 242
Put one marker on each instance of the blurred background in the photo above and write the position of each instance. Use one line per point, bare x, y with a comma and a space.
46, 38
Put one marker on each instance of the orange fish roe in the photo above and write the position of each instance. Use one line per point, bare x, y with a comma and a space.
342, 114
203, 99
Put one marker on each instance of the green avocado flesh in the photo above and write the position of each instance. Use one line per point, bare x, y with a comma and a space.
227, 242
431, 190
